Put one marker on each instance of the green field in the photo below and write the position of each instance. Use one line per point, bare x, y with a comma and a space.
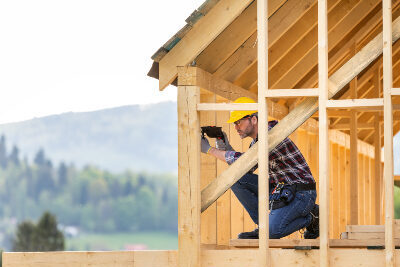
119, 241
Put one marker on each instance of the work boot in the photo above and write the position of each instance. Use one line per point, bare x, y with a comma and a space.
312, 230
249, 235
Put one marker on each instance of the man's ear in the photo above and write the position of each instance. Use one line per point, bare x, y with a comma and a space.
254, 119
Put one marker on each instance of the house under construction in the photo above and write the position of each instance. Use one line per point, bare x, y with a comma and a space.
329, 73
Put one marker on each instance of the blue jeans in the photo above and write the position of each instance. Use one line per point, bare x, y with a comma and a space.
284, 221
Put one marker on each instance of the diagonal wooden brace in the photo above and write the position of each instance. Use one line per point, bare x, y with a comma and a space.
295, 118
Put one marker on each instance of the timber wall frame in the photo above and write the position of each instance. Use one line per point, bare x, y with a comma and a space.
193, 201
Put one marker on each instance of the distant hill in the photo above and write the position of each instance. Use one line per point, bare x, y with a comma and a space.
140, 138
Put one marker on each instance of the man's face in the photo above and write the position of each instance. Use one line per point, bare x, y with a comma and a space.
245, 126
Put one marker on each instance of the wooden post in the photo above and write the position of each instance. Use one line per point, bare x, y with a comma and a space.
323, 132
188, 177
353, 158
388, 132
263, 177
378, 147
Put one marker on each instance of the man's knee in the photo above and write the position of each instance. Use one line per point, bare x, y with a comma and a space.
275, 231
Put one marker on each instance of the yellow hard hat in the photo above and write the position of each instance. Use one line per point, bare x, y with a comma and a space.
239, 114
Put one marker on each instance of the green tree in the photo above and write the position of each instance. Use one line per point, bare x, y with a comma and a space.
48, 237
14, 156
3, 152
25, 237
44, 236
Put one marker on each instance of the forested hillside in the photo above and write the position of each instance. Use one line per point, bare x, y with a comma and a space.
139, 138
89, 198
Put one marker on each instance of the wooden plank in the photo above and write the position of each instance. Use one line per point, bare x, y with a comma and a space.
237, 210
287, 93
295, 118
378, 171
342, 189
361, 191
371, 228
370, 235
395, 91
227, 107
388, 133
355, 103
343, 257
224, 202
347, 126
199, 37
263, 177
208, 173
291, 243
323, 132
335, 193
188, 177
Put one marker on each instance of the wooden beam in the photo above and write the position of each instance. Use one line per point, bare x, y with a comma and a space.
395, 91
263, 177
324, 178
295, 118
199, 37
388, 133
188, 177
340, 257
355, 103
293, 243
226, 106
279, 93
347, 126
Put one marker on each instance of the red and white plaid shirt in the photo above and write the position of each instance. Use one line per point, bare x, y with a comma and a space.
286, 163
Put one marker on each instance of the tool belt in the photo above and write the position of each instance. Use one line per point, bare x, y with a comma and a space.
283, 194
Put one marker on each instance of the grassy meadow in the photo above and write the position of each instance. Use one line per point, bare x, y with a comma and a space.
122, 241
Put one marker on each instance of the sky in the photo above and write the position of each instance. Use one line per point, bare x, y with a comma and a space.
59, 56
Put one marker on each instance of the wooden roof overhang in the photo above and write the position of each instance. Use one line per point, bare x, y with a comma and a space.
220, 38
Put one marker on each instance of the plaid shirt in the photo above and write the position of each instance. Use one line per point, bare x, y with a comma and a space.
286, 163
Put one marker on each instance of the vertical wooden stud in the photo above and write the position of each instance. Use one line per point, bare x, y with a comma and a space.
263, 177
378, 147
388, 132
323, 132
189, 208
208, 173
354, 198
224, 202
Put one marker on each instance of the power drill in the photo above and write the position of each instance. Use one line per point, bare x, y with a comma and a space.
212, 132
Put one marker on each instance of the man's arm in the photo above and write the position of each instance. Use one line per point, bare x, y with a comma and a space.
219, 154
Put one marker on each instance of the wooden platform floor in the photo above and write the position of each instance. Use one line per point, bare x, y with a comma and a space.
314, 243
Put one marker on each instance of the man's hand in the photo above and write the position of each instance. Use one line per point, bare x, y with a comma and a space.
223, 144
205, 145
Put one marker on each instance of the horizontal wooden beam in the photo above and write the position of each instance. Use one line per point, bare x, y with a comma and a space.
225, 106
193, 76
198, 38
395, 91
346, 126
339, 257
292, 243
335, 114
354, 103
279, 93
295, 118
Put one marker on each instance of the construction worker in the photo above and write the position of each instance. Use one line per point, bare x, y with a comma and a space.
292, 187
